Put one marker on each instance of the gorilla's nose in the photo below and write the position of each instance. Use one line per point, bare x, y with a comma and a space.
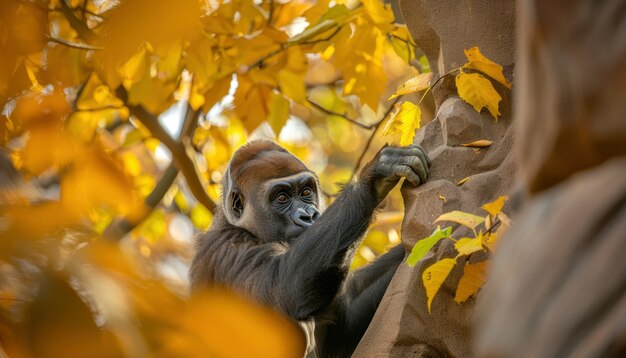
305, 218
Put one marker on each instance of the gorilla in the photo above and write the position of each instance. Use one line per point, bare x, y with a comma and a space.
274, 241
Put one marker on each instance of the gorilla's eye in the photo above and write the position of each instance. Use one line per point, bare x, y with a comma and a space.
282, 198
306, 192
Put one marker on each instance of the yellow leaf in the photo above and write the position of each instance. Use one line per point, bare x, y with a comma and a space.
388, 218
278, 112
467, 245
200, 60
132, 165
292, 85
376, 240
313, 14
434, 276
96, 95
415, 84
488, 222
478, 61
442, 198
152, 228
251, 102
402, 43
201, 217
495, 207
359, 58
379, 12
216, 92
97, 180
463, 181
136, 67
196, 100
466, 219
169, 61
285, 14
47, 147
67, 64
132, 23
504, 219
239, 328
491, 239
144, 184
472, 280
481, 143
313, 31
478, 91
181, 201
404, 123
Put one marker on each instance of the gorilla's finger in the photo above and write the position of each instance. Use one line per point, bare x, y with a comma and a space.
408, 173
423, 152
417, 165
422, 157
421, 171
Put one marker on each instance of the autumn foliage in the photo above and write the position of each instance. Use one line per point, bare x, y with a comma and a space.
118, 119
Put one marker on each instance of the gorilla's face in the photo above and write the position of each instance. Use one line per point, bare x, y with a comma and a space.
270, 193
279, 209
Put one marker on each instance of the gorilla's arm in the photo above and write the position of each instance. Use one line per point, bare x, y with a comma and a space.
352, 312
300, 279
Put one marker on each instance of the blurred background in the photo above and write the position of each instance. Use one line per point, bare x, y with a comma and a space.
118, 120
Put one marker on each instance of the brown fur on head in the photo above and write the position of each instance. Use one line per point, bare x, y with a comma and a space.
254, 164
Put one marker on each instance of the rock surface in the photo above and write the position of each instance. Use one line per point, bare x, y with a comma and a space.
557, 285
442, 29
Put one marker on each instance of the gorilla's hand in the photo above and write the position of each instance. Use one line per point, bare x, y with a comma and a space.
393, 163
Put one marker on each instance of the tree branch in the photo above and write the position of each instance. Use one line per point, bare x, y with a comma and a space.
76, 45
177, 148
117, 229
181, 160
333, 113
77, 24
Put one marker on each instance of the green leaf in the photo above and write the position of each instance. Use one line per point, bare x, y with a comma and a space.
424, 245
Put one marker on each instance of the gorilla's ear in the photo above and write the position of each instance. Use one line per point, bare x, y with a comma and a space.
236, 202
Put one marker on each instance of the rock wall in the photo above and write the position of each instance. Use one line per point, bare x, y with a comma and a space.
442, 29
557, 284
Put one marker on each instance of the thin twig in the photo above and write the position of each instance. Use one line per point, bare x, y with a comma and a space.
440, 77
117, 229
344, 116
76, 45
371, 137
287, 45
104, 108
498, 222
